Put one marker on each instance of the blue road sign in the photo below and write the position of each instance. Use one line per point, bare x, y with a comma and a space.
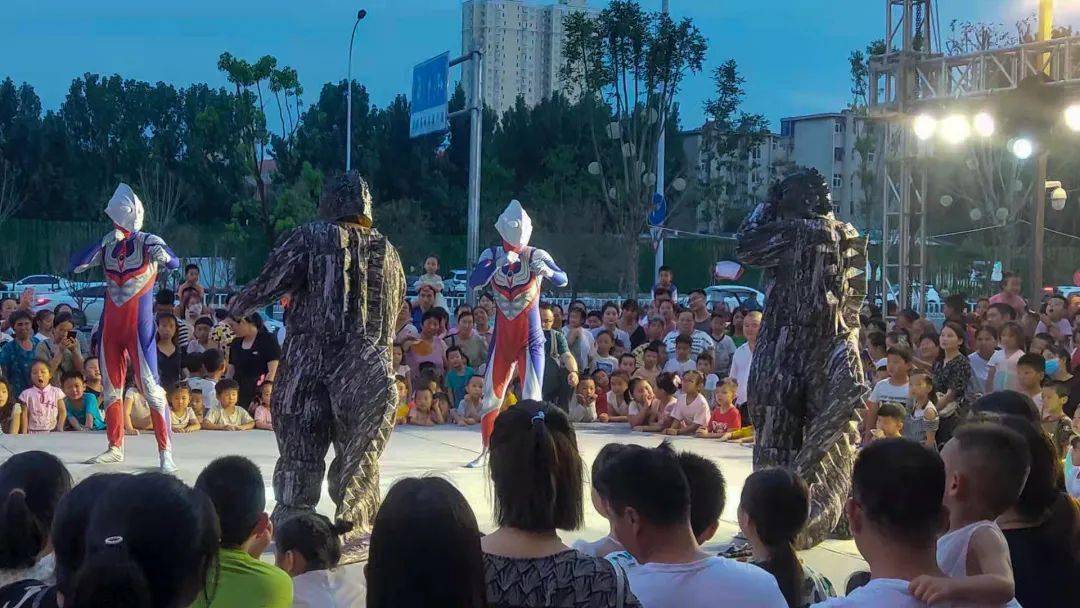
659, 211
429, 96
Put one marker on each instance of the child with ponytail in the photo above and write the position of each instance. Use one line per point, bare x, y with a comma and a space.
31, 485
308, 547
773, 509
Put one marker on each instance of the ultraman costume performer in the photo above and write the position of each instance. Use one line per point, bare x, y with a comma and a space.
514, 272
335, 384
806, 379
127, 329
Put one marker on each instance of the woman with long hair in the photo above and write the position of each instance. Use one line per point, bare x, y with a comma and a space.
952, 376
253, 356
31, 486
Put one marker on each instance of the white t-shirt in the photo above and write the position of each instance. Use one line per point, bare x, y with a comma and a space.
887, 392
713, 581
952, 549
328, 589
674, 366
879, 593
1005, 370
740, 370
697, 411
980, 369
209, 392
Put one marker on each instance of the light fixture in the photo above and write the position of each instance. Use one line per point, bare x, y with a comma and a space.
924, 126
955, 129
983, 123
679, 184
946, 200
1001, 214
1022, 148
975, 214
1072, 117
1058, 197
594, 168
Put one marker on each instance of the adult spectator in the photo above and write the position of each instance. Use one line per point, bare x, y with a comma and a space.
425, 301
560, 315
1010, 293
151, 542
17, 356
471, 344
578, 338
560, 366
630, 322
404, 329
725, 346
235, 487
425, 520
61, 350
684, 326
8, 305
43, 323
648, 504
253, 357
952, 376
482, 323
955, 310
537, 475
1053, 320
668, 310
427, 348
896, 515
997, 315
609, 320
905, 319
698, 305
743, 357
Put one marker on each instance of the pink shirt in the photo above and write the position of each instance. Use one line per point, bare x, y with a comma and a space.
696, 411
42, 406
262, 414
1018, 304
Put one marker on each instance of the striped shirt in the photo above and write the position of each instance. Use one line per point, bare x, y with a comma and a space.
701, 342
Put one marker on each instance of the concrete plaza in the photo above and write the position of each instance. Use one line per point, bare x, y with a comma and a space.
415, 451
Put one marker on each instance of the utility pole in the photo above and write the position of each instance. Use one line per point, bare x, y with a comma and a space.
1038, 190
348, 83
660, 153
475, 109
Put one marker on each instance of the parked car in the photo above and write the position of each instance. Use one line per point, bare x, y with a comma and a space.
41, 283
90, 299
733, 296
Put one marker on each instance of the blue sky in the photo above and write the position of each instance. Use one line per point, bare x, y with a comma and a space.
793, 53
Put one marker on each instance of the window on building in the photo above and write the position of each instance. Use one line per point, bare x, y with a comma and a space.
785, 128
838, 126
838, 154
871, 157
837, 181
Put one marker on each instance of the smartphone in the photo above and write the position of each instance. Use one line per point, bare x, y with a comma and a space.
73, 335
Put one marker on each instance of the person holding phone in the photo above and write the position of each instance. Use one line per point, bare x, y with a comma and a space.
61, 351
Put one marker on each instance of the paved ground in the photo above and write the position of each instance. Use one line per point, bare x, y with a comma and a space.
429, 451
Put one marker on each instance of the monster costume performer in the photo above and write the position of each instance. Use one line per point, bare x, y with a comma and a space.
335, 383
514, 272
806, 380
127, 328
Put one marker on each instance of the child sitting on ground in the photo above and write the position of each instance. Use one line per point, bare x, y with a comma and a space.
44, 411
92, 377
307, 546
263, 419
424, 412
608, 544
705, 366
641, 410
181, 416
602, 380
468, 410
458, 372
83, 413
1055, 423
890, 422
441, 402
583, 403
1030, 371
198, 404
660, 419
228, 417
11, 411
618, 406
691, 411
400, 369
136, 410
986, 466
725, 418
401, 413
921, 423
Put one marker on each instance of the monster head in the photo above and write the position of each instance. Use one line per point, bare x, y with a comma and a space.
802, 194
125, 209
348, 199
514, 226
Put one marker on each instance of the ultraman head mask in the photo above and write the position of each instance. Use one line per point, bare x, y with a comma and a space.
514, 226
125, 209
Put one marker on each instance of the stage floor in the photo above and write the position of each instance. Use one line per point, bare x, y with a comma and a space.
442, 451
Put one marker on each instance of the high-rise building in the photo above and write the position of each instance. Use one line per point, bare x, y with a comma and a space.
522, 44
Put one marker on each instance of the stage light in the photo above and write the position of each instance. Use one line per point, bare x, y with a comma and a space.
1022, 148
983, 124
1072, 117
924, 126
955, 129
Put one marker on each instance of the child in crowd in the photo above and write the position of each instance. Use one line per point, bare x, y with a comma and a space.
401, 414
681, 362
198, 404
263, 419
893, 389
136, 410
628, 364
986, 466
618, 405
593, 320
1072, 467
181, 417
431, 277
44, 411
92, 377
236, 488
705, 366
83, 412
1055, 423
1030, 371
650, 364
603, 384
660, 418
725, 418
608, 543
583, 403
691, 411
442, 403
213, 366
1039, 343
602, 358
400, 369
890, 422
1002, 367
32, 485
228, 417
458, 373
200, 341
921, 422
10, 411
468, 410
773, 509
986, 341
43, 324
307, 546
641, 410
424, 412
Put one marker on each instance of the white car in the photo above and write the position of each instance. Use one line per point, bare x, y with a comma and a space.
733, 296
90, 299
41, 284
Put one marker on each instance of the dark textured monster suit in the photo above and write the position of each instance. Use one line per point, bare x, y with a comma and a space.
806, 380
334, 384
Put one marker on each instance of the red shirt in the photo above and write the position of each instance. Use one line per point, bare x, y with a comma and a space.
723, 422
601, 402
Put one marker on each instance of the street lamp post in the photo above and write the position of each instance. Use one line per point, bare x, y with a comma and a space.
348, 83
1038, 225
